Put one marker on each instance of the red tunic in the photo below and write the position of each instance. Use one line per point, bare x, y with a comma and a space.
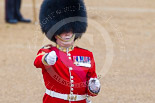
69, 74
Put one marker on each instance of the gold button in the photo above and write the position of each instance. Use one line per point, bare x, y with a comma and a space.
72, 89
70, 58
72, 85
70, 68
69, 54
72, 81
71, 77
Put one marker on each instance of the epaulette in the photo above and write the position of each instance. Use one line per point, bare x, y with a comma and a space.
47, 46
45, 49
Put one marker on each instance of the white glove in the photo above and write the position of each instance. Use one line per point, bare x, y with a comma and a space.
94, 85
51, 58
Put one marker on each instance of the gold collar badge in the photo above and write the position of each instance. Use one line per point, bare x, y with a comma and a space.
65, 49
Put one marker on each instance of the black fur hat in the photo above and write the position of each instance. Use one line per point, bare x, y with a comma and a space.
58, 16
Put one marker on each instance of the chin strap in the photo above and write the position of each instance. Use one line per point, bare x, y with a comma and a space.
71, 39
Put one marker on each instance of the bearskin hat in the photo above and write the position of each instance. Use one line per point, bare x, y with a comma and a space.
59, 16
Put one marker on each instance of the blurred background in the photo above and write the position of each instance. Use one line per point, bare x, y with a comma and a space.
130, 40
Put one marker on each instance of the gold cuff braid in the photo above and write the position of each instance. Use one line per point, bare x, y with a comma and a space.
43, 60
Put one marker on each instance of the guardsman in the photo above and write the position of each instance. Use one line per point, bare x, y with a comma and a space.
69, 72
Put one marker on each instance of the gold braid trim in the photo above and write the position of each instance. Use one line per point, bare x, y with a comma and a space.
42, 53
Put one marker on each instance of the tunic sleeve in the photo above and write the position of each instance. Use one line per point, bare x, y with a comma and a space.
91, 74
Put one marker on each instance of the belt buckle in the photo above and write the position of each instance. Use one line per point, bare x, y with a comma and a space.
72, 97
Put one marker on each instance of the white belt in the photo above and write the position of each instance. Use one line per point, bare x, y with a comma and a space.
68, 97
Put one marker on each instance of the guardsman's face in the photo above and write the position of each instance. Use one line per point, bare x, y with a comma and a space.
65, 39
